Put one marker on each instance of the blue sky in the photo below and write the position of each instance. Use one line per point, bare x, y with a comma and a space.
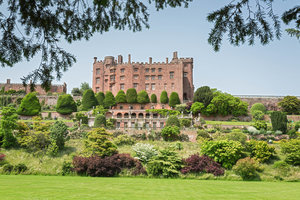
273, 69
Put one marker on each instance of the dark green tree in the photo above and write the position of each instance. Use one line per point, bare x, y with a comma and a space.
88, 100
76, 92
164, 97
66, 104
203, 95
8, 123
143, 97
290, 105
100, 121
153, 98
121, 97
109, 100
174, 99
131, 95
84, 87
59, 133
30, 105
100, 98
279, 121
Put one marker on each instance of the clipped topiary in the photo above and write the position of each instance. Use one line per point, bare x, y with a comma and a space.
100, 121
121, 97
153, 98
109, 100
100, 98
279, 121
174, 99
88, 100
131, 95
30, 105
164, 97
143, 97
66, 104
258, 106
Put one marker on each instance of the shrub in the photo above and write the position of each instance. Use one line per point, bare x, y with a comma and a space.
237, 135
142, 97
170, 133
174, 99
19, 168
185, 122
197, 107
52, 149
131, 95
173, 121
121, 97
223, 151
252, 130
100, 98
257, 115
5, 100
203, 95
260, 150
291, 148
203, 135
164, 97
98, 143
261, 124
88, 100
8, 124
258, 106
246, 168
144, 152
8, 168
109, 100
153, 98
66, 168
139, 136
124, 140
58, 133
30, 105
66, 104
100, 121
279, 121
290, 105
81, 117
2, 159
200, 164
183, 138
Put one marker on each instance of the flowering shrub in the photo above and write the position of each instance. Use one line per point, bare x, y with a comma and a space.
260, 150
246, 168
197, 164
144, 152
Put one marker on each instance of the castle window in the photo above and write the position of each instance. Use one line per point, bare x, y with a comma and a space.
152, 69
112, 77
97, 71
136, 76
153, 86
112, 71
122, 70
97, 80
185, 74
152, 77
172, 85
171, 75
147, 77
135, 69
147, 87
159, 77
147, 69
122, 86
159, 69
122, 78
165, 86
135, 85
97, 89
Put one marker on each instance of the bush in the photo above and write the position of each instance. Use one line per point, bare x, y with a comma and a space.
223, 151
203, 135
164, 97
2, 160
19, 168
170, 133
279, 121
58, 133
185, 122
8, 124
174, 99
197, 108
201, 164
66, 168
30, 105
246, 168
66, 104
203, 95
8, 168
121, 97
124, 140
237, 135
88, 100
131, 95
256, 107
260, 150
153, 98
261, 124
257, 115
143, 97
290, 105
100, 121
144, 152
252, 130
291, 148
81, 117
109, 100
183, 138
100, 98
173, 121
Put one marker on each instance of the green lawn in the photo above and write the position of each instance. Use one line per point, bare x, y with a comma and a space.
58, 187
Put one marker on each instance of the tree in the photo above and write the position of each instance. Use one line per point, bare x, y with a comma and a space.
30, 105
203, 95
66, 104
290, 105
197, 107
100, 98
164, 97
109, 100
76, 92
173, 121
100, 121
121, 97
174, 99
131, 95
8, 123
84, 86
143, 97
58, 133
88, 100
279, 121
153, 98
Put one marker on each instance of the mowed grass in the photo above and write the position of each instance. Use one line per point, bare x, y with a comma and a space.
59, 187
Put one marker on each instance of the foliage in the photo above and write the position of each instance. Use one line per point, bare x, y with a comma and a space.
99, 110
185, 122
100, 98
76, 92
59, 133
8, 168
66, 104
100, 121
237, 135
121, 97
173, 121
142, 97
2, 157
170, 133
203, 95
246, 168
66, 168
30, 105
164, 97
5, 100
258, 107
19, 168
166, 164
98, 143
84, 87
124, 140
144, 152
199, 164
88, 100
197, 107
153, 98
174, 99
257, 115
131, 95
8, 124
291, 149
260, 124
81, 117
225, 152
203, 135
164, 112
290, 105
182, 108
260, 150
279, 121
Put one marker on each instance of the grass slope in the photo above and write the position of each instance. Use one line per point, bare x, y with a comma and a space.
58, 187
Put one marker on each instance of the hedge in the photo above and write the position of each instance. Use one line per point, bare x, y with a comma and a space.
30, 105
66, 104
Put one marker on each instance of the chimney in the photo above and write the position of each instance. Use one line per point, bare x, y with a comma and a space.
150, 60
129, 58
167, 60
7, 81
95, 59
175, 55
120, 59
